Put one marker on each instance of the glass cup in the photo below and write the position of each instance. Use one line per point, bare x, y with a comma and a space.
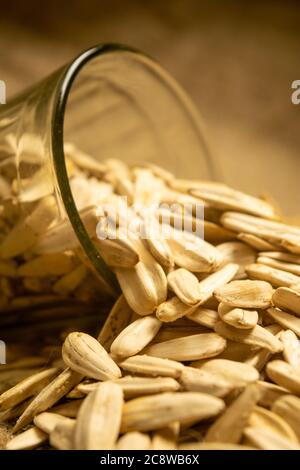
111, 102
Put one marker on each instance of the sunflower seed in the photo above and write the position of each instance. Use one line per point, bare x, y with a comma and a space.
69, 409
62, 436
287, 299
225, 198
270, 393
230, 426
285, 375
255, 242
216, 281
85, 355
48, 421
25, 389
99, 418
83, 160
118, 318
266, 419
193, 253
47, 397
156, 411
291, 242
27, 440
172, 309
205, 317
145, 285
195, 380
268, 229
189, 348
135, 337
158, 247
236, 374
166, 438
237, 253
153, 366
264, 439
245, 294
238, 317
185, 285
274, 276
139, 386
70, 281
285, 319
47, 265
61, 237
257, 336
274, 263
26, 232
288, 407
116, 250
134, 440
291, 347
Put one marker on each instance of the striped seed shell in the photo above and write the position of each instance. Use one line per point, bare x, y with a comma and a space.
144, 285
238, 317
287, 320
236, 374
288, 407
189, 348
153, 366
62, 436
257, 336
26, 388
246, 294
156, 411
287, 299
185, 285
238, 253
264, 439
85, 355
230, 426
193, 253
99, 418
285, 375
166, 438
266, 419
270, 393
29, 439
135, 337
48, 396
291, 347
172, 309
47, 421
204, 316
277, 264
197, 380
134, 440
274, 276
216, 280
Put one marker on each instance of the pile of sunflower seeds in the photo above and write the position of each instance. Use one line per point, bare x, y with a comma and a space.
201, 349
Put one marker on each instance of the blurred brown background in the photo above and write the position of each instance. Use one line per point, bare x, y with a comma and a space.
236, 59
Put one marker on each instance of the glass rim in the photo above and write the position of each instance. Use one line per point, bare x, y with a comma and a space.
63, 89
